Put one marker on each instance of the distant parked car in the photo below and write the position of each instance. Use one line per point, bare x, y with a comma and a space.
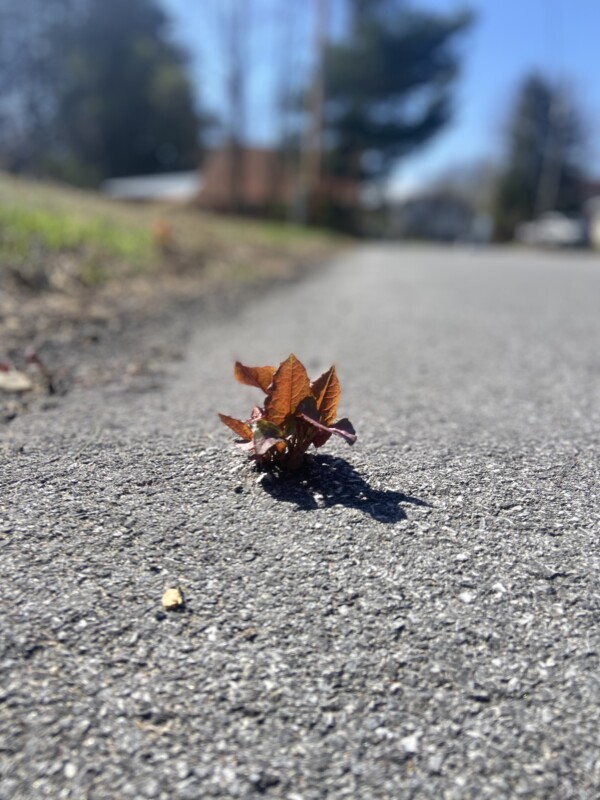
554, 229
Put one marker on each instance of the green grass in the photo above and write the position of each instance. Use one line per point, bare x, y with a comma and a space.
23, 229
39, 222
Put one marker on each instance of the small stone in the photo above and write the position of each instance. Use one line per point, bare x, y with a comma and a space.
172, 598
467, 597
70, 770
434, 765
189, 790
249, 634
263, 781
265, 478
411, 743
480, 695
182, 768
14, 382
150, 788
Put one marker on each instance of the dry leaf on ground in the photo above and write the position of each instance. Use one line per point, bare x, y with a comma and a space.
172, 598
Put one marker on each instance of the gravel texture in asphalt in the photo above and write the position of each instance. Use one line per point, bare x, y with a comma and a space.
413, 617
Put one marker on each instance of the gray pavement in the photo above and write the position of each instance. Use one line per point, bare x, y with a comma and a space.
414, 617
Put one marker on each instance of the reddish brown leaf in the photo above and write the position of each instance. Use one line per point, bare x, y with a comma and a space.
260, 377
290, 386
326, 391
266, 436
343, 427
321, 438
296, 413
262, 445
237, 426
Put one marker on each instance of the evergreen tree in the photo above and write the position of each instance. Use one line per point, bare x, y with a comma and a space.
106, 93
542, 170
388, 85
127, 106
31, 42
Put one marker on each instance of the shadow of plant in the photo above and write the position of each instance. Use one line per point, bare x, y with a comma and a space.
329, 481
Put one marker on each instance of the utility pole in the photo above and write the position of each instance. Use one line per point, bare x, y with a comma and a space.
312, 146
550, 174
283, 170
234, 19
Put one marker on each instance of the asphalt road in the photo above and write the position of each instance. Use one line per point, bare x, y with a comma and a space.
416, 617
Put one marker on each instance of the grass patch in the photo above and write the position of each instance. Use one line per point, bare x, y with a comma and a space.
40, 224
25, 229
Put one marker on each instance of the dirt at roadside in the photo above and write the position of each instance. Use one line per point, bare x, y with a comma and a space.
127, 330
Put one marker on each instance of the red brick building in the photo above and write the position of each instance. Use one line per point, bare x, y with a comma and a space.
255, 180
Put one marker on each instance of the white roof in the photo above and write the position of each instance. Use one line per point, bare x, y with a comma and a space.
179, 186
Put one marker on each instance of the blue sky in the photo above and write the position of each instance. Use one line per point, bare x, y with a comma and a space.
509, 39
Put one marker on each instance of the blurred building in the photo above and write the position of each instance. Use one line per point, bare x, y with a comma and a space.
178, 187
260, 180
251, 179
256, 181
553, 229
592, 212
437, 216
556, 229
593, 215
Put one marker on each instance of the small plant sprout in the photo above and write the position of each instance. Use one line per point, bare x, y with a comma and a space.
33, 357
296, 413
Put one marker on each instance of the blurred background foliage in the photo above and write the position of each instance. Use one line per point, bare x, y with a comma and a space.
543, 167
92, 90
